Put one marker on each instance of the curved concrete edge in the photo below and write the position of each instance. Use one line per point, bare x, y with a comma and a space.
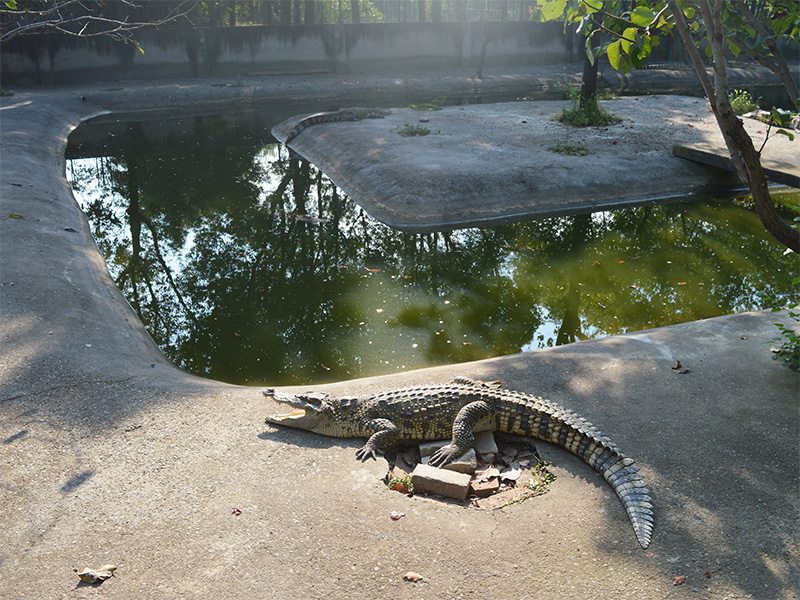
111, 455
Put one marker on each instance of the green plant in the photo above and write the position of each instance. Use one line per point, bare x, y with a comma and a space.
742, 102
435, 104
569, 149
788, 352
401, 484
5, 93
409, 130
541, 478
586, 115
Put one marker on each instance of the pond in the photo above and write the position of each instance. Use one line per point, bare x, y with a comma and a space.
247, 264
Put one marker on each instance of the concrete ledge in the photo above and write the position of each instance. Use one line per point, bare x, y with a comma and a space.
717, 156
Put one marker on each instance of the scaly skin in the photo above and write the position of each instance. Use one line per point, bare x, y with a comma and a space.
345, 114
456, 411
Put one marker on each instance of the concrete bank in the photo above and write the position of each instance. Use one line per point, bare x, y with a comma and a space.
111, 455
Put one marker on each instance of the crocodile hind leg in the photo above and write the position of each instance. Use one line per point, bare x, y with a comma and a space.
475, 416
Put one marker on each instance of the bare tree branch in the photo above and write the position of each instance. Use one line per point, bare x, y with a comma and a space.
59, 16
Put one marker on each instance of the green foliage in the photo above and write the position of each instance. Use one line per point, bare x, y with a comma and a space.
409, 130
632, 33
569, 149
586, 114
789, 350
634, 28
541, 478
400, 484
742, 102
435, 104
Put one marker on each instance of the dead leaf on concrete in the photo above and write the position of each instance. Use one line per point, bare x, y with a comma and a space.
512, 473
679, 369
679, 580
412, 576
88, 575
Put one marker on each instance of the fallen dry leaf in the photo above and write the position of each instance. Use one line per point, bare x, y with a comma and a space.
679, 580
412, 576
97, 575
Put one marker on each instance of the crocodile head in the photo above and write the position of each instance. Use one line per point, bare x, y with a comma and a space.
313, 411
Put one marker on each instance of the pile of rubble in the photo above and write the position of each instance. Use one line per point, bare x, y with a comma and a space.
491, 476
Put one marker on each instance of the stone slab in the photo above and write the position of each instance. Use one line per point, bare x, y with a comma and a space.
718, 156
443, 482
466, 463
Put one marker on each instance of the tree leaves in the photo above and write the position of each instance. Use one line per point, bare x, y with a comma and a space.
552, 9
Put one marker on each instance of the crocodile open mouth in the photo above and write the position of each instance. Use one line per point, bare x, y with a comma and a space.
295, 414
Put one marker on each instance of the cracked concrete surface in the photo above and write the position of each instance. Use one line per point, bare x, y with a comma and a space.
111, 455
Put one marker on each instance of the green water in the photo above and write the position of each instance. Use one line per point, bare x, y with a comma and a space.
249, 266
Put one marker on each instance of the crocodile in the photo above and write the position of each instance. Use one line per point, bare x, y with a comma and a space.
455, 411
345, 114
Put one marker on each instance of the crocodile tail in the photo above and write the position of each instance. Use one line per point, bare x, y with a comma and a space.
307, 122
574, 433
297, 130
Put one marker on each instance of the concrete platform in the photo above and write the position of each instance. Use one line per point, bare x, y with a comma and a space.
111, 455
717, 156
489, 164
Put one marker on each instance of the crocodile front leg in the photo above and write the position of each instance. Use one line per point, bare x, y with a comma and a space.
386, 434
475, 416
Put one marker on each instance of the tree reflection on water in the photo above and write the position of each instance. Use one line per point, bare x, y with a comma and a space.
247, 264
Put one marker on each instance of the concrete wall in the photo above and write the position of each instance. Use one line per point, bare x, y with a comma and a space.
239, 51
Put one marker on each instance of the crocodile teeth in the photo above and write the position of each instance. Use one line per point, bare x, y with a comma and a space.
295, 414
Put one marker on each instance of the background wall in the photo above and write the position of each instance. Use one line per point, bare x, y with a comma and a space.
232, 51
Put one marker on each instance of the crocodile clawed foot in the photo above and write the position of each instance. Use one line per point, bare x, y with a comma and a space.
366, 452
443, 456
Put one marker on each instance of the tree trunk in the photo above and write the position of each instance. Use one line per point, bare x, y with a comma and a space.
460, 8
486, 38
421, 10
589, 79
436, 11
310, 17
739, 142
779, 66
354, 4
743, 154
286, 12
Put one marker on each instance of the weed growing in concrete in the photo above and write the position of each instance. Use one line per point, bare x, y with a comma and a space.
401, 484
409, 130
590, 114
789, 350
569, 149
541, 478
742, 102
435, 104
